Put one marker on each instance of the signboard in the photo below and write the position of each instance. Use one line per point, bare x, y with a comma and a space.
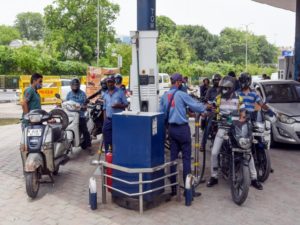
94, 77
287, 53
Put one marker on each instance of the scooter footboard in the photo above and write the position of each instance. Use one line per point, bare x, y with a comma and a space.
33, 161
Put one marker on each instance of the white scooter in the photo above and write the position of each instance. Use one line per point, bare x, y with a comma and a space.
44, 146
73, 109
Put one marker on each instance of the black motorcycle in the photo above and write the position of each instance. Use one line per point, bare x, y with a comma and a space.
96, 117
235, 155
260, 151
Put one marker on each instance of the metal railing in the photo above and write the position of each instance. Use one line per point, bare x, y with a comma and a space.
140, 171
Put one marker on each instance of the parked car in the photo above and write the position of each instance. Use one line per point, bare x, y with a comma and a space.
164, 83
283, 97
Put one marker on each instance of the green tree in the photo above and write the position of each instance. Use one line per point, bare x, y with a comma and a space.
7, 34
71, 27
165, 25
200, 40
111, 58
30, 25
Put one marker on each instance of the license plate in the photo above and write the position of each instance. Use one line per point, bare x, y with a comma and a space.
34, 133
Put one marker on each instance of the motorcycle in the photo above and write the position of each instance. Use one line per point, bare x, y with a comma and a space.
96, 118
260, 146
234, 156
44, 147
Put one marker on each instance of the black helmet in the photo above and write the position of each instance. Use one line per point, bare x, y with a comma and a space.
75, 85
231, 74
103, 84
118, 78
227, 86
111, 78
245, 80
216, 79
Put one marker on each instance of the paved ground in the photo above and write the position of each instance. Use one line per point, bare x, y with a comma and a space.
66, 202
9, 95
13, 110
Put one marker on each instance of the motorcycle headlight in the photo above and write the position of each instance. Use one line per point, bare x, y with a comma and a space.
259, 127
286, 119
35, 118
245, 143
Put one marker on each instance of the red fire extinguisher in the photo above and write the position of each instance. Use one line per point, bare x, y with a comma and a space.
108, 158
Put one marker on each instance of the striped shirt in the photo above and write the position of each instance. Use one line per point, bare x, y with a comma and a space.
250, 99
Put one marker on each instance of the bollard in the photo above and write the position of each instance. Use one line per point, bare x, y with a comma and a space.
93, 193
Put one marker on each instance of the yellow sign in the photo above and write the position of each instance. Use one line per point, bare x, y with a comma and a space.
51, 86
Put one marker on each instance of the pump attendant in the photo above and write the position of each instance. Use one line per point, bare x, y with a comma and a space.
173, 104
114, 102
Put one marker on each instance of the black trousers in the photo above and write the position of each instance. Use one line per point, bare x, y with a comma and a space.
86, 135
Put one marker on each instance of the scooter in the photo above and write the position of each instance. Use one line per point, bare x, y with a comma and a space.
72, 110
44, 147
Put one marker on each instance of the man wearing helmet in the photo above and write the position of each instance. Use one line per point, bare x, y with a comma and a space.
227, 102
118, 80
103, 88
210, 96
79, 96
204, 87
114, 102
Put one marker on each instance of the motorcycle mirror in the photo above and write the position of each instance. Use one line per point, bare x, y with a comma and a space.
57, 95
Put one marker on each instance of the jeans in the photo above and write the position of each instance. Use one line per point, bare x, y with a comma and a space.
215, 152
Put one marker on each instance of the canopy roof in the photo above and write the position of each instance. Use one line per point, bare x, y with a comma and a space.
283, 4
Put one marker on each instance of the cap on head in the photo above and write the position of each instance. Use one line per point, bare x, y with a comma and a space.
176, 77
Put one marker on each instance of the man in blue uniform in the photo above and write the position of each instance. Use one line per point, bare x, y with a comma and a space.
32, 99
79, 96
173, 103
114, 102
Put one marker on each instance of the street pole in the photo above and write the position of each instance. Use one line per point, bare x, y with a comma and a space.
98, 31
246, 47
246, 63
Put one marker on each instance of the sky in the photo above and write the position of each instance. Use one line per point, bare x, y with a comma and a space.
277, 25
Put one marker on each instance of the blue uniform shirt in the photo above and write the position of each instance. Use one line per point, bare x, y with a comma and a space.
117, 96
178, 106
250, 99
79, 97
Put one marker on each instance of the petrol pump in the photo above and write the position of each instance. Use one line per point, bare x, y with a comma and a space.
144, 69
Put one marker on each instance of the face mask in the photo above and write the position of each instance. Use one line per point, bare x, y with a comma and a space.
111, 88
224, 92
38, 86
180, 86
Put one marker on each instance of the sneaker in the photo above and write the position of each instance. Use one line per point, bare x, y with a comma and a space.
212, 181
257, 185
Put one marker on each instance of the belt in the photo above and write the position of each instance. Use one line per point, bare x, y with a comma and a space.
178, 125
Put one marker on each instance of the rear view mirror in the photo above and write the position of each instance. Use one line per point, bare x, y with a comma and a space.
57, 95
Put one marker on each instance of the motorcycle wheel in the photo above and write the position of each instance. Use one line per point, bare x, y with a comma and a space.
32, 183
263, 166
240, 187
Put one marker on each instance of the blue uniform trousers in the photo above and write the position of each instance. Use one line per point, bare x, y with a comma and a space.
180, 140
107, 133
